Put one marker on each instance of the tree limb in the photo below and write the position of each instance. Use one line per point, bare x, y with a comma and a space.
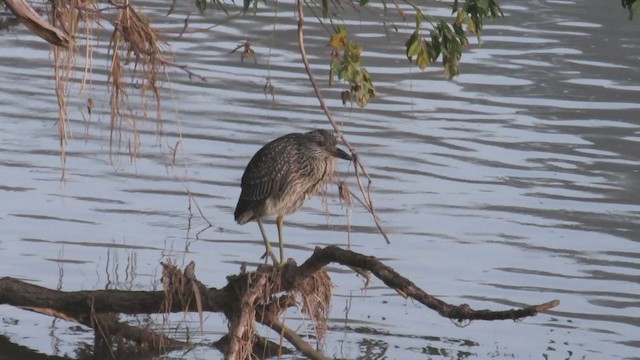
323, 256
248, 297
34, 22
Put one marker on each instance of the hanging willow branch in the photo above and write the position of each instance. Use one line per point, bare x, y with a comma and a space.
368, 203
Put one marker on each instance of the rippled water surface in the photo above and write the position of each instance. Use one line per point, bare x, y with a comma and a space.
516, 183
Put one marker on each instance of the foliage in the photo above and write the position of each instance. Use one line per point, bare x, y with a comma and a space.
632, 6
446, 39
449, 40
475, 12
345, 64
136, 48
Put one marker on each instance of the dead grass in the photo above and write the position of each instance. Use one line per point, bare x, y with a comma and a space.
64, 15
314, 295
135, 50
262, 294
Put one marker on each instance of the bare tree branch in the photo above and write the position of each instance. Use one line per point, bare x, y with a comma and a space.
34, 22
323, 256
247, 297
356, 159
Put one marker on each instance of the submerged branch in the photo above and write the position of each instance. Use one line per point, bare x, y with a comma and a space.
296, 341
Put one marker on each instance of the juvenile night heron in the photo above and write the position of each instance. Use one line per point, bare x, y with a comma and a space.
283, 175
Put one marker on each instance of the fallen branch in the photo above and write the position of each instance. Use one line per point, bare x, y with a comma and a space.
108, 327
323, 256
248, 297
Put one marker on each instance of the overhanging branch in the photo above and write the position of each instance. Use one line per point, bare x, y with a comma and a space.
34, 22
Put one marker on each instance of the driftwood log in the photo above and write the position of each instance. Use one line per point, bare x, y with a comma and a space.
249, 297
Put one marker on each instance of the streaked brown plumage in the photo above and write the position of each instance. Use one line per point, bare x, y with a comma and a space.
283, 175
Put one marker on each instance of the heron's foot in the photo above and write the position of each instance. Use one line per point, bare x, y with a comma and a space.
274, 261
273, 258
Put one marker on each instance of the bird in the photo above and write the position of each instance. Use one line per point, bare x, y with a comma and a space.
283, 175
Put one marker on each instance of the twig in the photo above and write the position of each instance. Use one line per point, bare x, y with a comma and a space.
193, 198
295, 340
184, 68
398, 9
356, 159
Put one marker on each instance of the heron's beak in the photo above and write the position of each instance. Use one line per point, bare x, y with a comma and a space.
339, 153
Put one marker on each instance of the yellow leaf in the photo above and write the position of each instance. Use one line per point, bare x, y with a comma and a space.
338, 41
357, 52
459, 18
471, 26
424, 58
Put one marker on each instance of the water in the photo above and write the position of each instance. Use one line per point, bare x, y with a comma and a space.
514, 184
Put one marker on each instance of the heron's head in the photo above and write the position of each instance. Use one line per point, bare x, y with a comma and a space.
326, 143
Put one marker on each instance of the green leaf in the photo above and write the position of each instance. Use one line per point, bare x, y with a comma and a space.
366, 77
462, 37
334, 68
364, 2
342, 74
632, 6
218, 4
201, 5
446, 42
435, 46
335, 64
341, 29
478, 10
495, 9
471, 26
345, 64
352, 53
451, 66
413, 45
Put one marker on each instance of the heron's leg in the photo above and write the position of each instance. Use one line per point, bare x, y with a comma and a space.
266, 243
280, 222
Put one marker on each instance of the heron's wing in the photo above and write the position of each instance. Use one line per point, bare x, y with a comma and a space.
270, 169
